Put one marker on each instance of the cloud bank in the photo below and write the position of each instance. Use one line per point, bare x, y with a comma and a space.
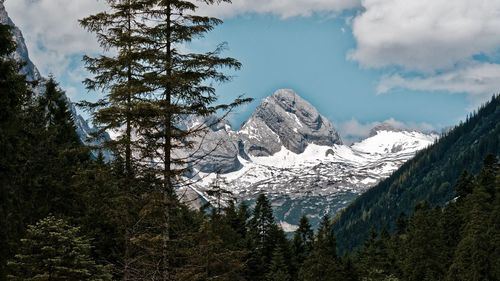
477, 79
425, 35
437, 39
52, 32
281, 8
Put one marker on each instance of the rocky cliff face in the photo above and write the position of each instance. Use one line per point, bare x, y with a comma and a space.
32, 74
290, 152
282, 121
215, 148
286, 120
21, 53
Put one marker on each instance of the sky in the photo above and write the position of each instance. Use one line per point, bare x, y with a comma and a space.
421, 64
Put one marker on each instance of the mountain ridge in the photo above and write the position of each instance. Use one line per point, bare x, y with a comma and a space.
32, 73
430, 176
320, 178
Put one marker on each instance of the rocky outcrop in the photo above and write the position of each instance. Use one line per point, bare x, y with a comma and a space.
21, 53
286, 120
32, 74
215, 149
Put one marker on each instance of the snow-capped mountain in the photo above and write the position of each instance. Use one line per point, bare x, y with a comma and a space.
286, 120
287, 150
32, 73
293, 154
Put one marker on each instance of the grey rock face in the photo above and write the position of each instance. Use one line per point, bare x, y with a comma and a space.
21, 53
32, 74
214, 149
285, 119
384, 127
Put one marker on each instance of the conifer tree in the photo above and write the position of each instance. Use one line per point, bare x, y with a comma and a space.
54, 250
217, 253
262, 236
424, 241
302, 244
494, 230
53, 155
182, 82
472, 259
107, 210
323, 262
237, 217
58, 118
13, 94
154, 86
464, 185
120, 75
278, 268
375, 260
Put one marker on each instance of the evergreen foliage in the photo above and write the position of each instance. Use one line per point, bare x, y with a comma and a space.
430, 176
54, 250
437, 218
323, 262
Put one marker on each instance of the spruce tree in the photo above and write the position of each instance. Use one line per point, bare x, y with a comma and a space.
278, 268
494, 230
53, 155
237, 217
58, 118
182, 82
302, 243
14, 92
216, 254
54, 250
472, 259
425, 240
120, 76
376, 260
262, 236
154, 86
464, 185
323, 262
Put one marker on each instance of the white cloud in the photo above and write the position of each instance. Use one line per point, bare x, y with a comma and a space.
478, 79
52, 32
281, 8
425, 35
353, 130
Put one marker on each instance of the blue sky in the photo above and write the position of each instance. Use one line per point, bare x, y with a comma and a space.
421, 64
308, 55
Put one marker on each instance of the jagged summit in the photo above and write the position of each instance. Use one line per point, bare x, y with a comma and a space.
284, 119
385, 127
21, 53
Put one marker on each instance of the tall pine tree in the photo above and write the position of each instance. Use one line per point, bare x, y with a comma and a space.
13, 93
54, 250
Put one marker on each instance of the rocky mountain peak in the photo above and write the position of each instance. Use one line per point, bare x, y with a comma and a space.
21, 53
284, 119
32, 74
385, 127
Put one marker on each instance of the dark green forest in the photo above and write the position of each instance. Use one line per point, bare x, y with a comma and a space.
430, 176
68, 213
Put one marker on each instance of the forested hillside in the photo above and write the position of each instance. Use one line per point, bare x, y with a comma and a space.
430, 176
68, 214
458, 242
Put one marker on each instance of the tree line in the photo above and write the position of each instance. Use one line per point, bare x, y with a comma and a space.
430, 176
67, 213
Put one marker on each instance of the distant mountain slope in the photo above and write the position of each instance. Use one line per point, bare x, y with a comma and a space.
32, 74
290, 152
284, 119
429, 176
